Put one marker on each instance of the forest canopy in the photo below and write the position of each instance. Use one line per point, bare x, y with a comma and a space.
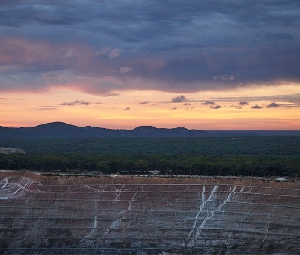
247, 156
247, 165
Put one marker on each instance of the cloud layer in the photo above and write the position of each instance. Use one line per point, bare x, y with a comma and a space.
177, 46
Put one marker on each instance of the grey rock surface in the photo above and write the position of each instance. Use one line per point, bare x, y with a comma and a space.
11, 151
147, 215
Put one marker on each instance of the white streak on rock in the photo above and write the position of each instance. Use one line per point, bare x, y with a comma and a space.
130, 202
210, 214
201, 208
122, 213
6, 182
15, 189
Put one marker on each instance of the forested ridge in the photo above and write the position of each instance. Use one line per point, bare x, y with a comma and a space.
239, 156
277, 145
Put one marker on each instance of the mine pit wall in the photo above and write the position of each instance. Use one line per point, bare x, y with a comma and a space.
136, 215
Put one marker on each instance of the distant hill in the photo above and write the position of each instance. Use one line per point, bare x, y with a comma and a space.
64, 130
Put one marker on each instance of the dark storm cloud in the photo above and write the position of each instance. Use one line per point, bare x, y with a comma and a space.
179, 46
279, 37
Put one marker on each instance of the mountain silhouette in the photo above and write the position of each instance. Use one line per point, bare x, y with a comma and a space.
64, 130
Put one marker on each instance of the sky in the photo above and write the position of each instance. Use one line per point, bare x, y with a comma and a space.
120, 64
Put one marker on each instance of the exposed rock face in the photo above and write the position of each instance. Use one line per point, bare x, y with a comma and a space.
11, 151
154, 215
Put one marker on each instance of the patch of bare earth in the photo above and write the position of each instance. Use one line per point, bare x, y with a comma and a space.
147, 215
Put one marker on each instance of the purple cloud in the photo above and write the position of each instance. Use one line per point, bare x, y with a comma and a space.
144, 102
179, 99
135, 45
215, 107
256, 107
76, 102
273, 105
209, 103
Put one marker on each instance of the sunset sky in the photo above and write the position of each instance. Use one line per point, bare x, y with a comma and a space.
120, 64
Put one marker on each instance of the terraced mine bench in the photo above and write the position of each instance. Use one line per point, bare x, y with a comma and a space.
147, 215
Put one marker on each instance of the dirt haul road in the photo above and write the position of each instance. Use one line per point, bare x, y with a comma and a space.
147, 215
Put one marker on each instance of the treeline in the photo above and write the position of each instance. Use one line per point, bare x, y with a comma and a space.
277, 145
237, 165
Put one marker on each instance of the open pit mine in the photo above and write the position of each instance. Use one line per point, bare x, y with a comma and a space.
147, 215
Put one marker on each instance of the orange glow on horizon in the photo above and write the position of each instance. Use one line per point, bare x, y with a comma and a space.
128, 109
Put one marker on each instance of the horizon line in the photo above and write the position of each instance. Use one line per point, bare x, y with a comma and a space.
62, 122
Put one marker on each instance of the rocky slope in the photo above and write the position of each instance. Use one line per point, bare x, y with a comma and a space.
147, 215
11, 151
